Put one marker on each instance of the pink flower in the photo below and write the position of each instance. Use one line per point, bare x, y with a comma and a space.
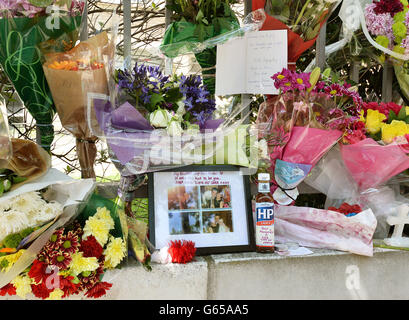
379, 24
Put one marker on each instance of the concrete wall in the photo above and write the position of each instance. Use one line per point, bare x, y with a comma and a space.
325, 274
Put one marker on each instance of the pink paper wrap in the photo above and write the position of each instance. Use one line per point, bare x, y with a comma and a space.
371, 164
308, 145
318, 228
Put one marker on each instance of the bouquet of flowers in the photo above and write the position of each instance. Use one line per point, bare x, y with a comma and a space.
27, 28
71, 76
73, 261
195, 22
302, 19
372, 151
306, 120
27, 163
388, 22
378, 137
159, 121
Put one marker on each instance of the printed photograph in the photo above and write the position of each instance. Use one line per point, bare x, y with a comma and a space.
215, 197
184, 222
183, 198
217, 222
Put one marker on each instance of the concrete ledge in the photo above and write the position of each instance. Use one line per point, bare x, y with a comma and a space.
325, 274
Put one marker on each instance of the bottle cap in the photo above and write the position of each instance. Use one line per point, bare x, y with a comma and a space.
263, 177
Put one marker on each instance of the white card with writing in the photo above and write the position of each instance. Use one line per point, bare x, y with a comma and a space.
246, 64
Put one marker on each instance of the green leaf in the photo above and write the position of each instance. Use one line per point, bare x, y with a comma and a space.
392, 116
155, 99
41, 3
402, 114
407, 119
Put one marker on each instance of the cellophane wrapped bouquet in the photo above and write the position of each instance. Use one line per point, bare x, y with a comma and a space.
303, 122
71, 75
73, 260
195, 22
373, 150
388, 22
26, 28
155, 121
302, 20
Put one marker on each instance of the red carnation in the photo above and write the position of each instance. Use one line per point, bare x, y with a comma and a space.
68, 286
41, 290
388, 6
9, 289
91, 248
182, 251
38, 271
346, 208
98, 290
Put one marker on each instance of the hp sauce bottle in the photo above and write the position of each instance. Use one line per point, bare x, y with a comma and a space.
264, 215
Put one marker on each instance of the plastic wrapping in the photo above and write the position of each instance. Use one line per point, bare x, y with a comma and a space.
24, 33
5, 142
28, 162
140, 150
71, 194
303, 123
302, 19
71, 76
318, 228
182, 37
153, 122
358, 175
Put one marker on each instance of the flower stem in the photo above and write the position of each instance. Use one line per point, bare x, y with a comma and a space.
302, 12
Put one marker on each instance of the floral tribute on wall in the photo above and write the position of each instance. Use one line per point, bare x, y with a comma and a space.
73, 261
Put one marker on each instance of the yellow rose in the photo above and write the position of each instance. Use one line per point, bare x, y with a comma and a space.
374, 121
395, 129
407, 111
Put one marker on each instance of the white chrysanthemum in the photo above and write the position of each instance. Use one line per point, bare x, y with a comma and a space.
25, 211
11, 222
45, 213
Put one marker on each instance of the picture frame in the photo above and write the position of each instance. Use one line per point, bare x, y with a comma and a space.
207, 204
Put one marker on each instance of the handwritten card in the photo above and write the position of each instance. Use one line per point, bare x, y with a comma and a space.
246, 64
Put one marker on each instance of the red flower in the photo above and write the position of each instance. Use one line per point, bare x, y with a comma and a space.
98, 290
40, 290
68, 286
9, 289
38, 271
346, 208
69, 243
182, 251
62, 260
91, 248
388, 6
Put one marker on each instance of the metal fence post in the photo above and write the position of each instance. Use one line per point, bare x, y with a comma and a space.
320, 47
168, 61
245, 98
127, 33
387, 78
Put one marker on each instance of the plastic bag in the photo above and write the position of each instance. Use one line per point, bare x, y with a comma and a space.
318, 228
5, 142
182, 37
302, 19
23, 35
71, 76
